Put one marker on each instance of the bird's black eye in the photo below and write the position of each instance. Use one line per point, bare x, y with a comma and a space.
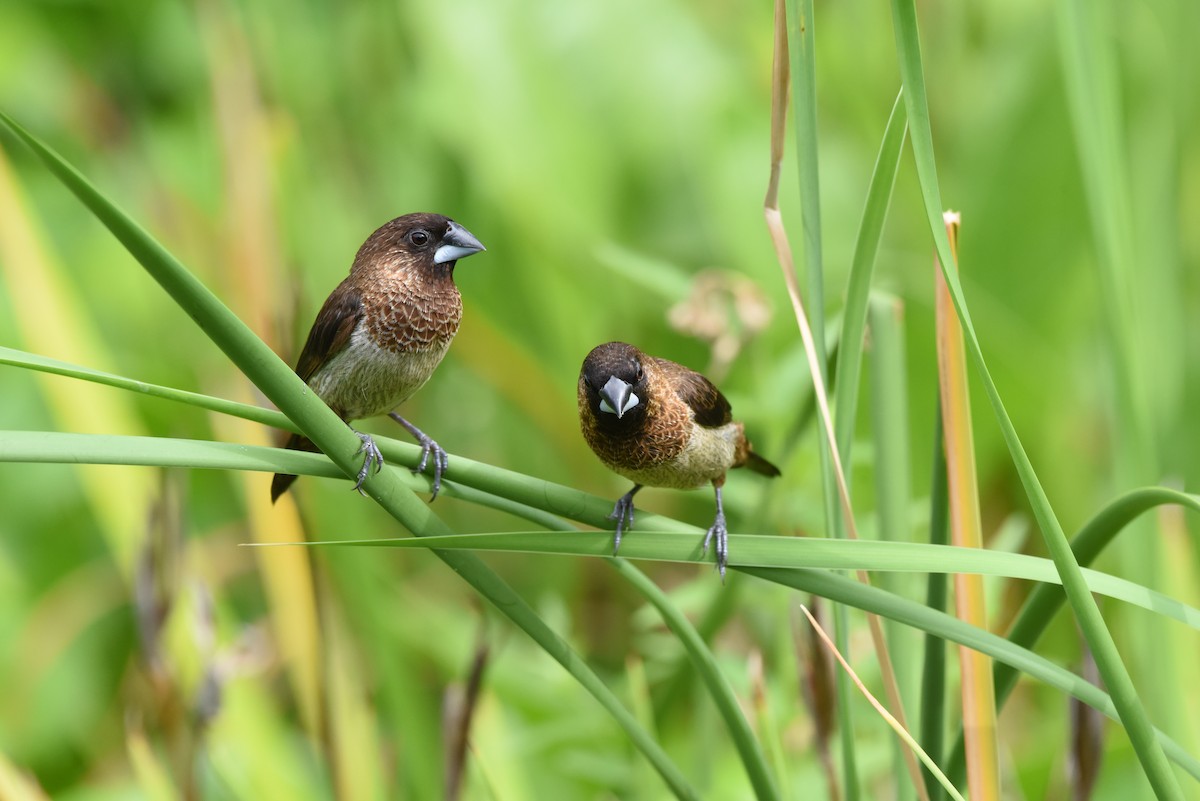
640, 373
418, 238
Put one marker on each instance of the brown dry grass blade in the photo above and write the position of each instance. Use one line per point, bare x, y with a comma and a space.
978, 692
1087, 737
910, 743
816, 688
458, 707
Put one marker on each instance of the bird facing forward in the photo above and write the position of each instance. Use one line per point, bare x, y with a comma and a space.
384, 330
659, 424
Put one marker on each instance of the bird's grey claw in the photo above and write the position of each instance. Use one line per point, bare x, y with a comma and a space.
440, 462
372, 458
623, 513
440, 459
721, 534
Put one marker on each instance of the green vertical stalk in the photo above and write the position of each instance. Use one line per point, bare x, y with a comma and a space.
862, 267
1092, 93
1046, 599
1127, 276
893, 487
803, 65
933, 671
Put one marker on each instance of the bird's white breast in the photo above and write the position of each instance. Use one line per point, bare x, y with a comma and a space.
708, 455
364, 380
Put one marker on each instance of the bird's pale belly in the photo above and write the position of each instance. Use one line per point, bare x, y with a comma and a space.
365, 380
708, 454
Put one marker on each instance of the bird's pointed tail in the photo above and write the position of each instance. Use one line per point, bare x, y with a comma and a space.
281, 481
761, 465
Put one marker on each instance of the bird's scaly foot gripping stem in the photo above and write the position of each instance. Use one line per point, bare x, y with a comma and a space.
428, 447
721, 534
372, 457
623, 513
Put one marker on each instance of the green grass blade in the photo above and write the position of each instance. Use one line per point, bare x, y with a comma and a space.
34, 446
893, 489
1039, 609
656, 538
801, 38
284, 388
802, 63
852, 593
862, 266
1131, 711
706, 666
756, 550
44, 364
1092, 92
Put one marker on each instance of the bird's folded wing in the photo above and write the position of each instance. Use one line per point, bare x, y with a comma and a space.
709, 405
331, 331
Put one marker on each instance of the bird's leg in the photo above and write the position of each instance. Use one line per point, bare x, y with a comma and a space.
372, 457
428, 446
623, 513
719, 531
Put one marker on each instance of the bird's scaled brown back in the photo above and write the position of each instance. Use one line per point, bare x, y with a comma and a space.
710, 407
712, 410
678, 400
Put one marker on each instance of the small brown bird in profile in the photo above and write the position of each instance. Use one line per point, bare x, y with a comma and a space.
660, 424
384, 330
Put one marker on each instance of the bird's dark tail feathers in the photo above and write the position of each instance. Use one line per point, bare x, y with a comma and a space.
761, 465
281, 482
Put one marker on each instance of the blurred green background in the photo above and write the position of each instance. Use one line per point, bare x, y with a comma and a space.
613, 158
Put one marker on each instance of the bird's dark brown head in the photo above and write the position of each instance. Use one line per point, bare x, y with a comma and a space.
613, 385
431, 241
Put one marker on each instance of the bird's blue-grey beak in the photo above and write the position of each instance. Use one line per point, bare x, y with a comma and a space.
617, 397
457, 243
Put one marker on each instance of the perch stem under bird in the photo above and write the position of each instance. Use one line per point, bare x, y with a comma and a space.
661, 424
383, 331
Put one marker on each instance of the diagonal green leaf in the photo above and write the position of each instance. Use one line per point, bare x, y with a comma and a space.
1131, 711
885, 604
45, 364
757, 550
753, 550
285, 389
705, 663
1042, 604
862, 265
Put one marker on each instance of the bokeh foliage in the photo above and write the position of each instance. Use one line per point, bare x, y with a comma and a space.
610, 156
